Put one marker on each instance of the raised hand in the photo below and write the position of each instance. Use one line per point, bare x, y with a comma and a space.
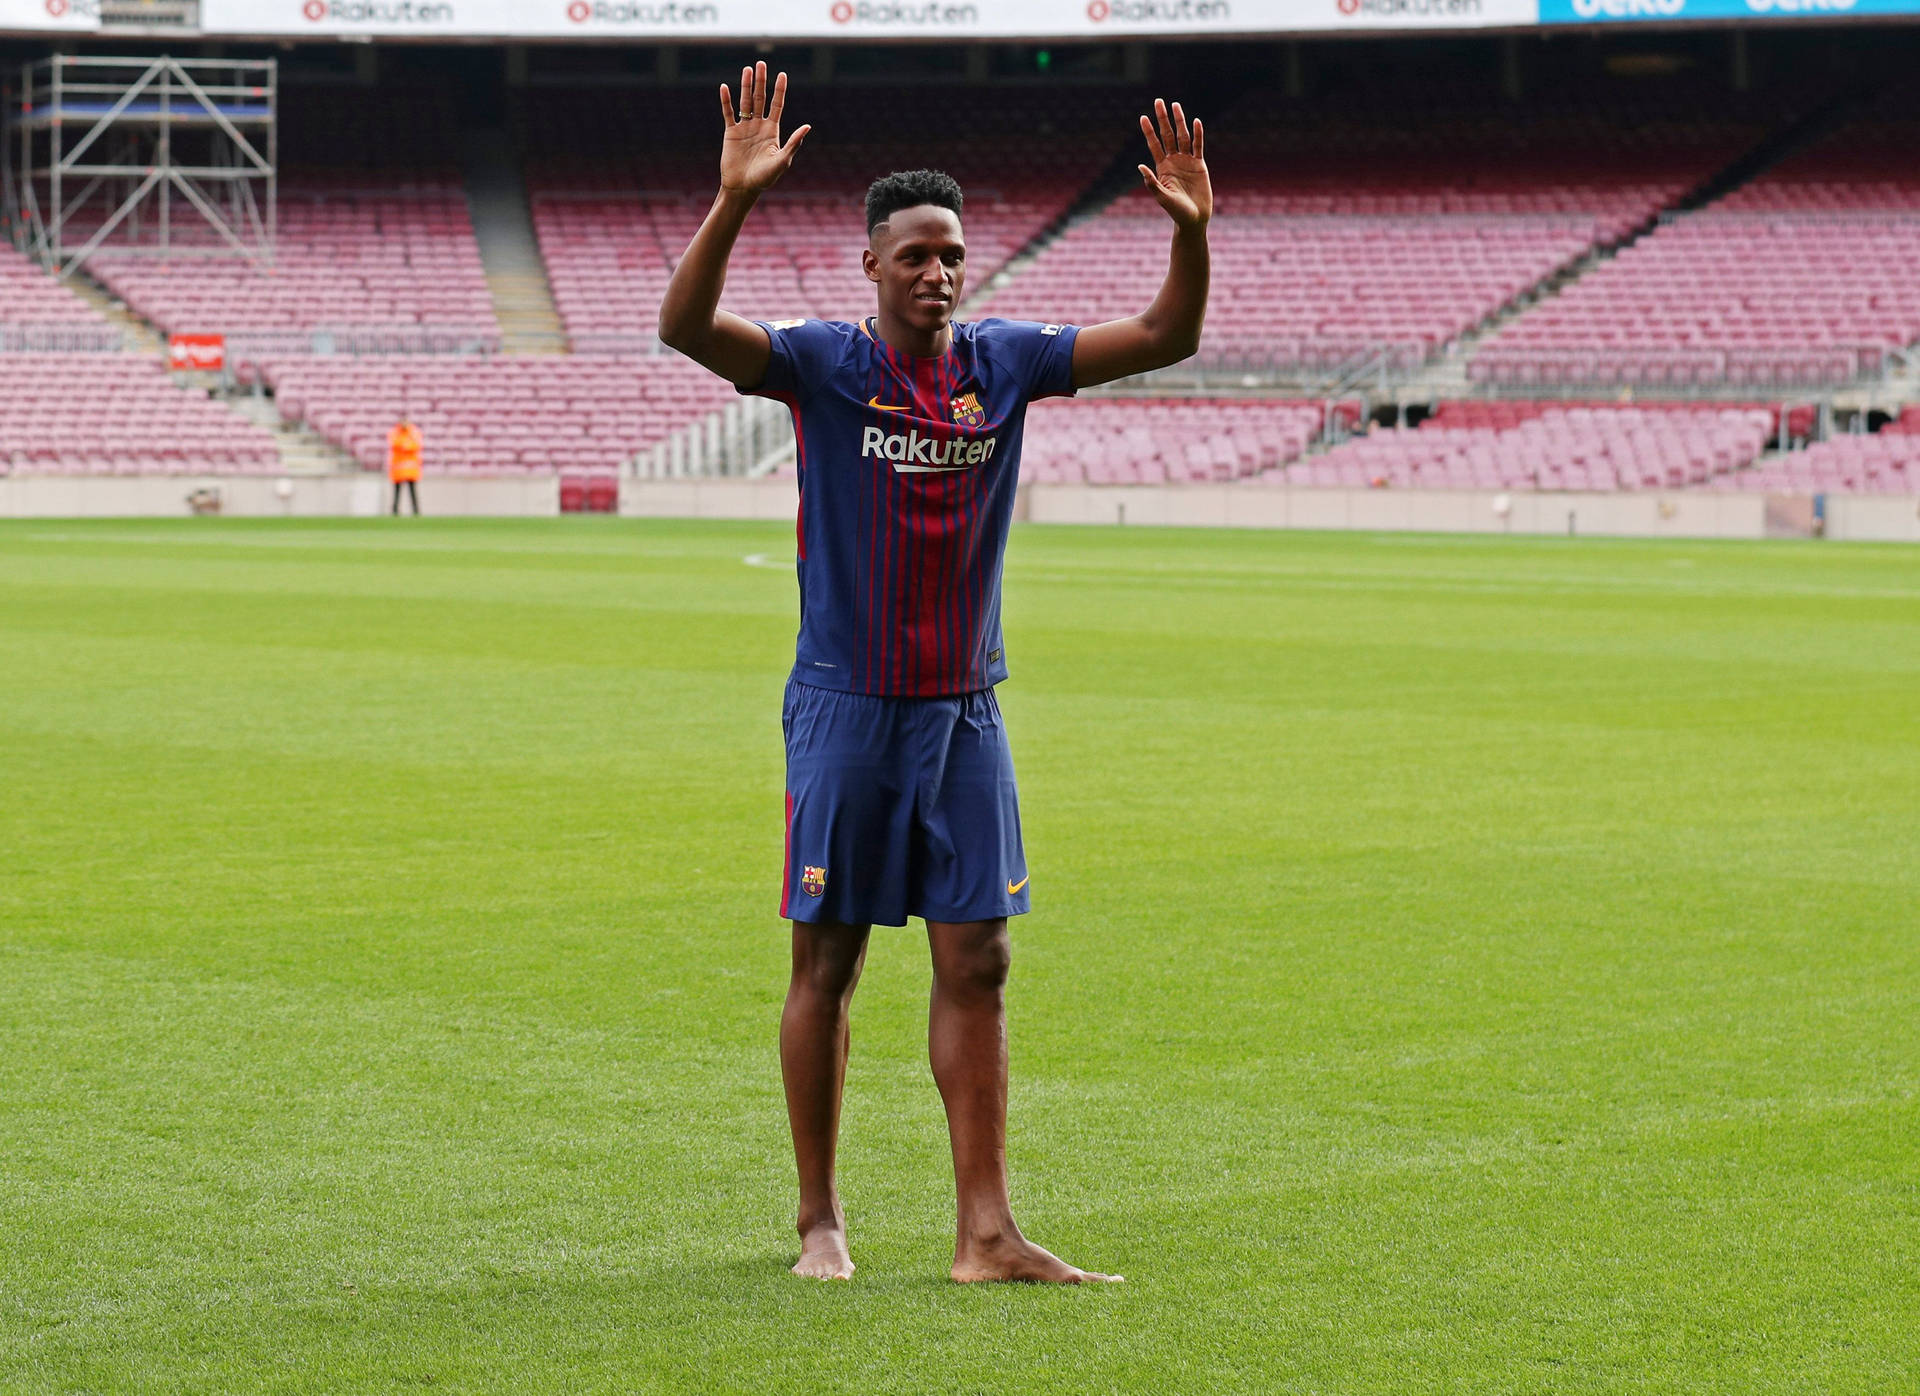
1178, 180
752, 158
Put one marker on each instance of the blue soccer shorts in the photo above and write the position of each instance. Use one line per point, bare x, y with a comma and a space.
900, 807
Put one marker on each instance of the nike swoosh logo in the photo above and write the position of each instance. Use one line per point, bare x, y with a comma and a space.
879, 406
1014, 887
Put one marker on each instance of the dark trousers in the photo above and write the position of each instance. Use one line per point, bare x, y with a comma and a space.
413, 490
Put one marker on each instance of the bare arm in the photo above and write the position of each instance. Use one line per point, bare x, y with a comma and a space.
1168, 330
752, 159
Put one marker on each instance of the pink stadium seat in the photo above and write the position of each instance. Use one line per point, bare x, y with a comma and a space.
618, 183
1340, 236
1118, 440
1886, 463
1781, 285
119, 414
1508, 446
577, 414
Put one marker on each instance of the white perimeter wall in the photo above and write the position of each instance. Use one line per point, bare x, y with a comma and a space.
1678, 515
1436, 511
335, 496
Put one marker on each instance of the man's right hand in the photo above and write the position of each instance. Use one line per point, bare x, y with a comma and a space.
752, 158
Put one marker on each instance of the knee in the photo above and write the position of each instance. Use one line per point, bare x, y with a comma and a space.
827, 967
979, 966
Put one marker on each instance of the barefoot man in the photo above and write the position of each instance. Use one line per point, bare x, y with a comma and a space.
900, 791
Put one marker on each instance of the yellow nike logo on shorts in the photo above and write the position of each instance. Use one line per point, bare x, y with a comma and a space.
1014, 887
879, 406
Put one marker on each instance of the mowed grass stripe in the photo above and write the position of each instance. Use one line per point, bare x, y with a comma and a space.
1459, 965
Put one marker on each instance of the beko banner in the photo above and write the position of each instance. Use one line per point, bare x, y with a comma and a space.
666, 20
16, 15
1674, 11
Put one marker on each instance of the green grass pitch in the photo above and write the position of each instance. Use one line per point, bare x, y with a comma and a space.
1458, 966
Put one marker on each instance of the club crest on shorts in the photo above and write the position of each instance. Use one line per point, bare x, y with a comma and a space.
813, 881
968, 412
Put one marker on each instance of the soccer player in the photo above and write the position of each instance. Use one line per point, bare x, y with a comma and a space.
900, 790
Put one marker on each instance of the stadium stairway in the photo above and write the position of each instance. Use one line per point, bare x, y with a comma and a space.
137, 335
303, 451
509, 254
1445, 377
1113, 183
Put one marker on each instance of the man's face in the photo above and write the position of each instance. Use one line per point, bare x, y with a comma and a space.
919, 261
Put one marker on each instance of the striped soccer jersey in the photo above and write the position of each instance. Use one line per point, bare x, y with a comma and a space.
907, 475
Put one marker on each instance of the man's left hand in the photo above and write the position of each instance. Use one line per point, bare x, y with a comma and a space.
1178, 180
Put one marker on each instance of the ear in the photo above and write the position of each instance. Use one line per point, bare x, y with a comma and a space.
870, 264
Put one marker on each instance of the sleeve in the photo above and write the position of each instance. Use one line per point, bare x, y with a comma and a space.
803, 355
1041, 356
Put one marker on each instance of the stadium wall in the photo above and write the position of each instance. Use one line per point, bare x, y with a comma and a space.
1691, 514
1674, 515
316, 496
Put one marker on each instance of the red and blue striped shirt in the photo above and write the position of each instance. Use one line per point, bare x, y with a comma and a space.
907, 474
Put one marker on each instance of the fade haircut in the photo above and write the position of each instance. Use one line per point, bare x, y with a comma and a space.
889, 194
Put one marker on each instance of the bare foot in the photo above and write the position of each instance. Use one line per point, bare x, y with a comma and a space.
823, 1254
1014, 1257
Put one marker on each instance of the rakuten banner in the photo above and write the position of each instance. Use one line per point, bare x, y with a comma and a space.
40, 15
1612, 11
661, 20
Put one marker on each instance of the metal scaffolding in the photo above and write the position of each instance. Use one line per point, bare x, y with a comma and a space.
155, 157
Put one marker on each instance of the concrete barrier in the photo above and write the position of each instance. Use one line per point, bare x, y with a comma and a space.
1674, 515
1863, 518
708, 499
260, 496
1670, 515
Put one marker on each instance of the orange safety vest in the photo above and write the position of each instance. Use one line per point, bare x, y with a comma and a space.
403, 453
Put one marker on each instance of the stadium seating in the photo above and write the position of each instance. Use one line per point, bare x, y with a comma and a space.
38, 313
119, 414
1130, 441
1557, 448
386, 266
1341, 236
374, 252
1887, 463
1505, 414
1781, 284
498, 415
619, 183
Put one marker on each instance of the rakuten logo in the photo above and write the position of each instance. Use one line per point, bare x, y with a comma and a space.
933, 15
1410, 9
1628, 9
627, 12
1795, 7
1159, 11
914, 454
377, 12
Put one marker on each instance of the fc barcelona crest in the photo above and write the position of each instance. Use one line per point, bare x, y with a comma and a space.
968, 412
813, 881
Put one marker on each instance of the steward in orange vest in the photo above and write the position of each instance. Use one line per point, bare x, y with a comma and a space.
403, 462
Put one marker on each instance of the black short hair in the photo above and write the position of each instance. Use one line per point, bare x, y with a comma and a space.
889, 194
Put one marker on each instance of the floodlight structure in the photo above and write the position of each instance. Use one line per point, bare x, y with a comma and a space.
153, 157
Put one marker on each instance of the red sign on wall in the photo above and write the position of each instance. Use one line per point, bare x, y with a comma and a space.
197, 351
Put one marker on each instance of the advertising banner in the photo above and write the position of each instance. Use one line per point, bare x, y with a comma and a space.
37, 15
1675, 11
672, 20
197, 351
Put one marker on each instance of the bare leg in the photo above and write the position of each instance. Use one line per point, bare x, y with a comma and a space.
814, 1037
967, 1038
